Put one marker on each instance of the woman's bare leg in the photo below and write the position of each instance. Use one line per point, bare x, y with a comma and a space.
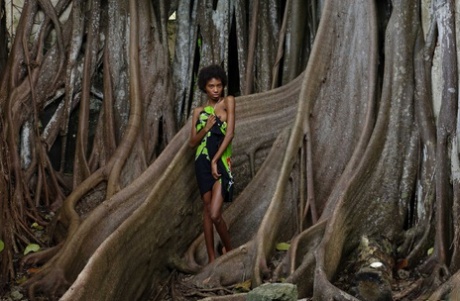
216, 215
208, 226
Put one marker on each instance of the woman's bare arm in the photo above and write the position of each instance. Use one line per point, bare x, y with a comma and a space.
230, 106
196, 137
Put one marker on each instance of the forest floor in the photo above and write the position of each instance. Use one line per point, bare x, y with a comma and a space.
404, 288
405, 285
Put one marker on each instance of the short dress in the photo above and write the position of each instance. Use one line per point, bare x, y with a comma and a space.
205, 152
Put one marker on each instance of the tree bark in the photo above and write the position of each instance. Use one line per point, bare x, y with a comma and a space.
348, 147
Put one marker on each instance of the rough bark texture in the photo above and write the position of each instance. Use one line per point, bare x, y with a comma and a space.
346, 150
3, 32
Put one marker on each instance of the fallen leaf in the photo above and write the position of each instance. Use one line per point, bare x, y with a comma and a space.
21, 280
402, 263
37, 226
282, 246
244, 286
31, 248
33, 270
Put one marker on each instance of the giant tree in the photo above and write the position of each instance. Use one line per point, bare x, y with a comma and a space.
338, 145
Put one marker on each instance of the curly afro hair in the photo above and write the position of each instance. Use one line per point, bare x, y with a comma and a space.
210, 72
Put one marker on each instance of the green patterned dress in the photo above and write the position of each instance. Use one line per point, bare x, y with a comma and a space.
206, 151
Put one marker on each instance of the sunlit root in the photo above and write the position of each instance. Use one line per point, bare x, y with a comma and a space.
184, 265
233, 267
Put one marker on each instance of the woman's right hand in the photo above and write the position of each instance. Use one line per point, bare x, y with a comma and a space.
210, 122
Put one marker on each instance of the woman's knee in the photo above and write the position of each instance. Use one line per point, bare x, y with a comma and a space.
207, 200
216, 217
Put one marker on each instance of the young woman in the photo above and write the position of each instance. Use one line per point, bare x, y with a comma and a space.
213, 126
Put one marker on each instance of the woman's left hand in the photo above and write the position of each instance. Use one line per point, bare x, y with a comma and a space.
214, 170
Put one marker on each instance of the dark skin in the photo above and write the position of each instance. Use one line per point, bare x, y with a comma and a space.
224, 108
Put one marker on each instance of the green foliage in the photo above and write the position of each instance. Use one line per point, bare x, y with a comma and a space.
31, 248
243, 287
2, 245
37, 226
282, 246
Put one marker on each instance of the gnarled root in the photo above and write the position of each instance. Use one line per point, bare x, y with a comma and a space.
417, 241
449, 289
438, 272
325, 290
233, 267
438, 275
54, 284
217, 278
35, 259
299, 263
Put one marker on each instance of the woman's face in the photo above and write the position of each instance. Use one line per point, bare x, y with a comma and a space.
214, 89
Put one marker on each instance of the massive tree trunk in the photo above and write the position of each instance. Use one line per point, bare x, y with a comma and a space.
346, 151
3, 37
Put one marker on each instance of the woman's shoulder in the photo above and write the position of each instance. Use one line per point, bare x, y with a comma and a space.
229, 101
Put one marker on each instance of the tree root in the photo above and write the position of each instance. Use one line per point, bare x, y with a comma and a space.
411, 292
325, 290
184, 289
298, 264
422, 289
184, 266
35, 259
450, 288
304, 275
234, 297
53, 285
438, 272
417, 240
233, 267
301, 244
